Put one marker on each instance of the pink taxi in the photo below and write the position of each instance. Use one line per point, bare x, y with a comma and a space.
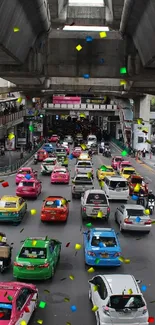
29, 188
124, 164
60, 175
76, 152
65, 145
116, 161
24, 171
20, 307
54, 138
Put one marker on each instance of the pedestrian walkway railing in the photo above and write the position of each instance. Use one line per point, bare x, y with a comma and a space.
120, 144
14, 167
12, 117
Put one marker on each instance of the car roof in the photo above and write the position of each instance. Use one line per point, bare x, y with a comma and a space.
117, 157
54, 135
115, 178
53, 198
125, 162
12, 289
60, 168
83, 161
134, 206
50, 158
106, 232
25, 168
95, 191
82, 175
32, 179
9, 198
119, 282
128, 168
41, 242
136, 176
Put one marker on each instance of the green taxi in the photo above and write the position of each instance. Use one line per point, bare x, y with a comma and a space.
37, 259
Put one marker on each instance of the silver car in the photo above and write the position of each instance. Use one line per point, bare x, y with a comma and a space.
84, 167
94, 201
81, 183
69, 139
133, 217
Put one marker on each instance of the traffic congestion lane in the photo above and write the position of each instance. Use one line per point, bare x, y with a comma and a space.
138, 248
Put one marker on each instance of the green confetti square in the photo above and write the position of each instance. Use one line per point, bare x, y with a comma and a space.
97, 261
10, 298
123, 70
42, 304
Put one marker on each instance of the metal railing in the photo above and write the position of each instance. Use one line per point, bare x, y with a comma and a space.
120, 144
12, 117
14, 167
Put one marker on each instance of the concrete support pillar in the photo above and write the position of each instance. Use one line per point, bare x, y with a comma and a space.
142, 108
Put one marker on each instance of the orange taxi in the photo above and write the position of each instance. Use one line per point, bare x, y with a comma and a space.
42, 154
54, 208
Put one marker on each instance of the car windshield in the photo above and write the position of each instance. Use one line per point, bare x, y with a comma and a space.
136, 180
5, 311
60, 150
135, 212
118, 159
107, 170
7, 204
84, 164
83, 180
92, 139
27, 184
128, 172
25, 172
52, 204
106, 241
96, 198
33, 252
121, 302
117, 184
50, 162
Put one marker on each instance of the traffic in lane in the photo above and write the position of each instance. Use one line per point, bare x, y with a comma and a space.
71, 277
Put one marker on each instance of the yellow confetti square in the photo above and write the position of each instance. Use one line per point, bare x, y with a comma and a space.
83, 115
123, 82
78, 247
11, 136
130, 292
127, 261
78, 47
103, 34
121, 259
72, 277
95, 288
95, 308
100, 214
23, 322
63, 201
19, 100
91, 270
140, 121
33, 212
147, 212
40, 321
34, 243
16, 29
137, 188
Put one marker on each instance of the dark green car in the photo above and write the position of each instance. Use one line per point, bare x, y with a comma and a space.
37, 259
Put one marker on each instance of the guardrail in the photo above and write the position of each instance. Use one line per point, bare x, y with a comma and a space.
120, 144
12, 117
14, 167
80, 107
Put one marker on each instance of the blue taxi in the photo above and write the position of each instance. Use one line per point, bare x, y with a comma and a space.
48, 147
102, 247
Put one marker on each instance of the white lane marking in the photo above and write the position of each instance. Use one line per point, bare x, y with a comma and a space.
149, 179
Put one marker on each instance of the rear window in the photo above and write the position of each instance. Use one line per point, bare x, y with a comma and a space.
96, 199
126, 301
83, 180
92, 139
135, 212
27, 184
125, 165
128, 172
5, 311
24, 172
5, 204
118, 184
136, 180
60, 150
84, 164
33, 252
118, 159
106, 241
60, 171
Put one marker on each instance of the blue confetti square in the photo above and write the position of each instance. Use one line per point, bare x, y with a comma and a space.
89, 39
86, 76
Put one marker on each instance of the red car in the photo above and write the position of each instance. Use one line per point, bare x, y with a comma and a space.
21, 305
42, 154
116, 161
137, 179
55, 208
54, 138
76, 152
124, 164
29, 188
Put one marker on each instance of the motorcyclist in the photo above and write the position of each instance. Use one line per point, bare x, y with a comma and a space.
90, 152
150, 196
3, 242
140, 199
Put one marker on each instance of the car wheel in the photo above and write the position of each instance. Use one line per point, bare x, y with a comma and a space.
120, 227
90, 295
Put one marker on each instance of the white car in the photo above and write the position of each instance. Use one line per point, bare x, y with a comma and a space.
116, 188
133, 217
119, 300
81, 183
68, 139
94, 201
48, 165
84, 167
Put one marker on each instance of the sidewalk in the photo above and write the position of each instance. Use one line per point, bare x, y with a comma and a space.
10, 158
148, 161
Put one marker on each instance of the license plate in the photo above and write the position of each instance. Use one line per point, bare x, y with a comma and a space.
30, 267
95, 211
52, 218
105, 255
118, 189
1, 262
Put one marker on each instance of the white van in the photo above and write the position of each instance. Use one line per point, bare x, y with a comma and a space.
91, 139
116, 188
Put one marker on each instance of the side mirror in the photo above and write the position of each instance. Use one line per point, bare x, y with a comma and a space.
73, 182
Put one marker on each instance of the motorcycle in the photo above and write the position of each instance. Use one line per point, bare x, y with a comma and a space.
5, 257
108, 154
150, 206
141, 200
35, 161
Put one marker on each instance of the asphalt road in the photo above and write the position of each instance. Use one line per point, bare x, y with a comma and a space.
138, 248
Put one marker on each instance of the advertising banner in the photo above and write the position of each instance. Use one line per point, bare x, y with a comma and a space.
66, 100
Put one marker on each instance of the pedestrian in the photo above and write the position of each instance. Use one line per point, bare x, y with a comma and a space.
144, 153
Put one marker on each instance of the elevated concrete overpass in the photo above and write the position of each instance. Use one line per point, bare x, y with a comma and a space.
37, 58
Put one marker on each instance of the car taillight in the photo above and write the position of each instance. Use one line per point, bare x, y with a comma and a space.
145, 310
148, 222
84, 209
117, 254
108, 209
77, 170
91, 254
44, 265
106, 310
18, 264
127, 221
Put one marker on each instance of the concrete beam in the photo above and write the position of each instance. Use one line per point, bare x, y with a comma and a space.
60, 34
86, 16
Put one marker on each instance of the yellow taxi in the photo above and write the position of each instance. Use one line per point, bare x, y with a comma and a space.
84, 156
12, 209
127, 172
104, 171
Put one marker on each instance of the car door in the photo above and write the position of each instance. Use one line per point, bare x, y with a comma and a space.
21, 206
99, 295
120, 217
52, 253
25, 305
